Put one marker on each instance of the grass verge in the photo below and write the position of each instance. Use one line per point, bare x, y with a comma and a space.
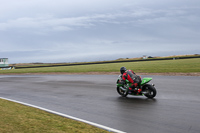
161, 66
19, 119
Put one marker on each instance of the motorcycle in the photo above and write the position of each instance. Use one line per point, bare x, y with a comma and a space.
148, 90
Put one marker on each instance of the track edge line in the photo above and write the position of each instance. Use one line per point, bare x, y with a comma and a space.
67, 116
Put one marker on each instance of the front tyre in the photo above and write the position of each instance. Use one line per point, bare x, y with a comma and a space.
122, 92
150, 91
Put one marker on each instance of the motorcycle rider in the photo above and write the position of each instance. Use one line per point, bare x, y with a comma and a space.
131, 77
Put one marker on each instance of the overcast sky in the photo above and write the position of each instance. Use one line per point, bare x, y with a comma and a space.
52, 31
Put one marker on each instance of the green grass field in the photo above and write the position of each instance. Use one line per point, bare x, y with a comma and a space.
17, 118
161, 66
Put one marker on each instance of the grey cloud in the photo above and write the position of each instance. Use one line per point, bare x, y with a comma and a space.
77, 30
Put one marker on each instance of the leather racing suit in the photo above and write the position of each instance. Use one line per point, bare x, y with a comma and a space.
131, 77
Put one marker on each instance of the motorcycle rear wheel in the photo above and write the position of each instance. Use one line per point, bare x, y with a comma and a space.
150, 89
121, 92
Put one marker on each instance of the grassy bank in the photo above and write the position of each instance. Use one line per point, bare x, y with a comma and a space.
22, 119
160, 66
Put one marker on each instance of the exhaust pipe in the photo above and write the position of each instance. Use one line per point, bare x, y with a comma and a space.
145, 93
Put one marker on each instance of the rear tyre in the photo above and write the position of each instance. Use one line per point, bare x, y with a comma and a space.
150, 91
122, 92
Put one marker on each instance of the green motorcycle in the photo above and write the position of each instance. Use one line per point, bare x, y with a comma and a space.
148, 90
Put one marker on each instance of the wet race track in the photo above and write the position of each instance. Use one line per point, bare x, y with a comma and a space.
175, 109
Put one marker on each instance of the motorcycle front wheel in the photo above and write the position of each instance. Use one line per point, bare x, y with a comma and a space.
122, 92
150, 91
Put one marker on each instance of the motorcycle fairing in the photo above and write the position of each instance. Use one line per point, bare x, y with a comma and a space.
145, 80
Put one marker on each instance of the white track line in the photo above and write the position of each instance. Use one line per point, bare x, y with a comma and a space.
67, 116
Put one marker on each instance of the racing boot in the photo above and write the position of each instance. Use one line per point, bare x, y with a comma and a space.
135, 88
130, 90
139, 91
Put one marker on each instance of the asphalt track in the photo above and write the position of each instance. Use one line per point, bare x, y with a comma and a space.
175, 109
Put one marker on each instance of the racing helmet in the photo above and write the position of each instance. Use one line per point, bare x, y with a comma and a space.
122, 70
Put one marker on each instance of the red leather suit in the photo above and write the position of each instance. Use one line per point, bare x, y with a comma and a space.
131, 77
